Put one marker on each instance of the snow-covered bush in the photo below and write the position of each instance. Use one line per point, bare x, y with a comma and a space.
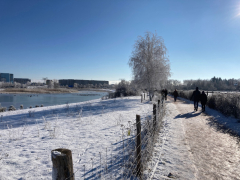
226, 103
125, 88
3, 109
11, 108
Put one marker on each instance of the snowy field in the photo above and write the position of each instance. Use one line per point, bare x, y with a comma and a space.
91, 130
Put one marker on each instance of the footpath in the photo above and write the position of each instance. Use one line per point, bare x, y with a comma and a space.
192, 146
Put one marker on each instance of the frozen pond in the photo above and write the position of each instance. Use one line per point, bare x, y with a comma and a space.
28, 100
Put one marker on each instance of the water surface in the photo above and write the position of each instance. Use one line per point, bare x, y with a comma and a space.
32, 100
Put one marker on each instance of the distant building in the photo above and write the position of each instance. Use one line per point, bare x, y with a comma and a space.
22, 80
6, 77
70, 82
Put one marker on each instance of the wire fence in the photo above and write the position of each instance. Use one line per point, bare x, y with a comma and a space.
129, 157
120, 160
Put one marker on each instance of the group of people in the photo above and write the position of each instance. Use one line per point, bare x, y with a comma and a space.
196, 97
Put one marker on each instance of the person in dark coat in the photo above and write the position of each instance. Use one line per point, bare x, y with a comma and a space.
203, 100
165, 93
196, 97
175, 94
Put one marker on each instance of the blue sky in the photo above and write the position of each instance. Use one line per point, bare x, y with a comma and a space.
82, 39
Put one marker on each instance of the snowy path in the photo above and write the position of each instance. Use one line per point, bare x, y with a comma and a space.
193, 148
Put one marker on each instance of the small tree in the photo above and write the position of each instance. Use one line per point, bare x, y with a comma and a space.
50, 84
75, 85
56, 83
149, 63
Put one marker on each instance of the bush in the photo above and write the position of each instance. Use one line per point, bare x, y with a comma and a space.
3, 109
11, 108
228, 103
125, 88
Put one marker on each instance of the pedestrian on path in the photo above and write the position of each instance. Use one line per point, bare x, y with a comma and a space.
203, 100
175, 94
165, 93
196, 97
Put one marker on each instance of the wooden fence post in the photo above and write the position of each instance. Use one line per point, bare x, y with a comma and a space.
154, 116
138, 146
62, 164
144, 96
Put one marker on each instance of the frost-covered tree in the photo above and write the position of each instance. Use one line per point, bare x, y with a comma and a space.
149, 62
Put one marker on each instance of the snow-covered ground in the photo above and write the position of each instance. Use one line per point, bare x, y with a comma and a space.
196, 145
89, 129
191, 145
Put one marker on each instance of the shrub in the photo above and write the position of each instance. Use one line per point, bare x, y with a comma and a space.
125, 88
228, 103
11, 108
3, 109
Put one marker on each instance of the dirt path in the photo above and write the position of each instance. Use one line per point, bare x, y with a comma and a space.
215, 155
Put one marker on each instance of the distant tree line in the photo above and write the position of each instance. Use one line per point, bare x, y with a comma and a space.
214, 84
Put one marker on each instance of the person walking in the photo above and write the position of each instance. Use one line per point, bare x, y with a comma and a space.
203, 100
196, 97
175, 94
165, 93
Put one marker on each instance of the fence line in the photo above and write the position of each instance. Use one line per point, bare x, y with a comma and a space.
134, 149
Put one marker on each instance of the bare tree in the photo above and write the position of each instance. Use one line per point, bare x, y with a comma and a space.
149, 63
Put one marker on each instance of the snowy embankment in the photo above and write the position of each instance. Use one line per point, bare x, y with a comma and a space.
88, 129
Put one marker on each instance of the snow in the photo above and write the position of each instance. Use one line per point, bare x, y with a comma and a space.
89, 129
171, 152
191, 145
196, 145
55, 154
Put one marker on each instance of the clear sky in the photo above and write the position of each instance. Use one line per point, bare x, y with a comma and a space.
83, 39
